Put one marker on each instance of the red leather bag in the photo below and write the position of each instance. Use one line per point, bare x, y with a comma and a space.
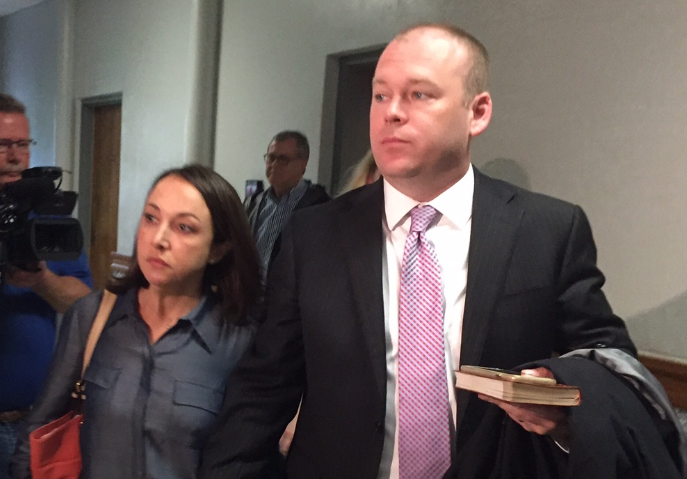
55, 447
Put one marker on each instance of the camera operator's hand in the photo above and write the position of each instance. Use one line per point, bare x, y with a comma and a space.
59, 292
26, 276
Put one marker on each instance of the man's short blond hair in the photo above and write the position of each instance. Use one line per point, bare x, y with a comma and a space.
477, 78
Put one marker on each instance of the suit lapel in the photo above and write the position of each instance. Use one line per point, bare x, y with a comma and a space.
495, 222
360, 227
254, 210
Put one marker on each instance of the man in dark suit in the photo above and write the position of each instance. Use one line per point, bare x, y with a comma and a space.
519, 283
285, 163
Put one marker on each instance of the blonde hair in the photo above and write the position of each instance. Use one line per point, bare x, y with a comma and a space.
362, 172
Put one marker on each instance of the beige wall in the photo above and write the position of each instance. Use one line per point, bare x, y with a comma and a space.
160, 55
152, 53
589, 107
30, 69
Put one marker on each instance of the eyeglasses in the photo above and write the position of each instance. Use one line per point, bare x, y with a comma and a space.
22, 146
283, 159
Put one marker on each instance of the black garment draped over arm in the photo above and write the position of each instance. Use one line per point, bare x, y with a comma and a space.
612, 434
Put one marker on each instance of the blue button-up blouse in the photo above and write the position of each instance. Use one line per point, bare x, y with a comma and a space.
149, 407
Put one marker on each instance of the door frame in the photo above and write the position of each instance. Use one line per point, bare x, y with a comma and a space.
87, 107
337, 64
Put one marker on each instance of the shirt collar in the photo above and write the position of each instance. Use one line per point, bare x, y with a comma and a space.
204, 318
125, 305
297, 191
455, 204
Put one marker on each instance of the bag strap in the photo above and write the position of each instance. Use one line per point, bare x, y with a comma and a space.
101, 316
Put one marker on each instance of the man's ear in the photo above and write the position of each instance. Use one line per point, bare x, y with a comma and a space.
480, 113
218, 251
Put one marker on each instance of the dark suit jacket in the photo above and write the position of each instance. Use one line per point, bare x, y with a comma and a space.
314, 195
533, 289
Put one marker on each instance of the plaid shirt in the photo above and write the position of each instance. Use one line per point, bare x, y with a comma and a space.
272, 216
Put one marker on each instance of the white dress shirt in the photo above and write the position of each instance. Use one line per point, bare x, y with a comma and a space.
450, 237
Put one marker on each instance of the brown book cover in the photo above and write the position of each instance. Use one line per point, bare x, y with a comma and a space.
513, 387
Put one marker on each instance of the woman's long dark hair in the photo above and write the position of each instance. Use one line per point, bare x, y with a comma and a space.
236, 277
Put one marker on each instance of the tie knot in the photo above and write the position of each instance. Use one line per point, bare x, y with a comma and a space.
420, 217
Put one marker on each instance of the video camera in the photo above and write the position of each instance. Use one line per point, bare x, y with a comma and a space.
34, 222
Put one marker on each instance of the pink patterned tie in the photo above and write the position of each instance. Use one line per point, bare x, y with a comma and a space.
424, 450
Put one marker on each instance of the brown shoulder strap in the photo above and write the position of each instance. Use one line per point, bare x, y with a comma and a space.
103, 313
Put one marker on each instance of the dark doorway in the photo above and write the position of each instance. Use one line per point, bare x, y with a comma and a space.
345, 116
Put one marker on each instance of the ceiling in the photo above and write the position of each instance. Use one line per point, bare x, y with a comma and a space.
11, 6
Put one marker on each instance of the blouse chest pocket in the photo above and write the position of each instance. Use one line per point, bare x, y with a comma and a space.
101, 375
195, 409
101, 397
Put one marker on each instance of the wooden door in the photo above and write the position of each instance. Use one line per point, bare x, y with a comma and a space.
107, 126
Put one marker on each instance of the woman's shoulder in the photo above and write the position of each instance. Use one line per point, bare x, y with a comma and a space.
83, 306
89, 301
248, 322
235, 325
231, 328
83, 311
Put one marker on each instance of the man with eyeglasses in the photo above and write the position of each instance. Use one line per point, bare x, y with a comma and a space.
30, 300
285, 163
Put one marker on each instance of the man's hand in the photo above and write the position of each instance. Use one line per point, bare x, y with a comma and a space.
27, 278
285, 441
59, 292
287, 437
544, 420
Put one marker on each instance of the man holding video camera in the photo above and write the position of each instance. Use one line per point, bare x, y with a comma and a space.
30, 298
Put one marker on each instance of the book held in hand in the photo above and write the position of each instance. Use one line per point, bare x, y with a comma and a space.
513, 387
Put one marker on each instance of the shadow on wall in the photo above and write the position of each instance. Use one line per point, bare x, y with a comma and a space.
661, 330
507, 170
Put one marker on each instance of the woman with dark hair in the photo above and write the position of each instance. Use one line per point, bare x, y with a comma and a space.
177, 329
